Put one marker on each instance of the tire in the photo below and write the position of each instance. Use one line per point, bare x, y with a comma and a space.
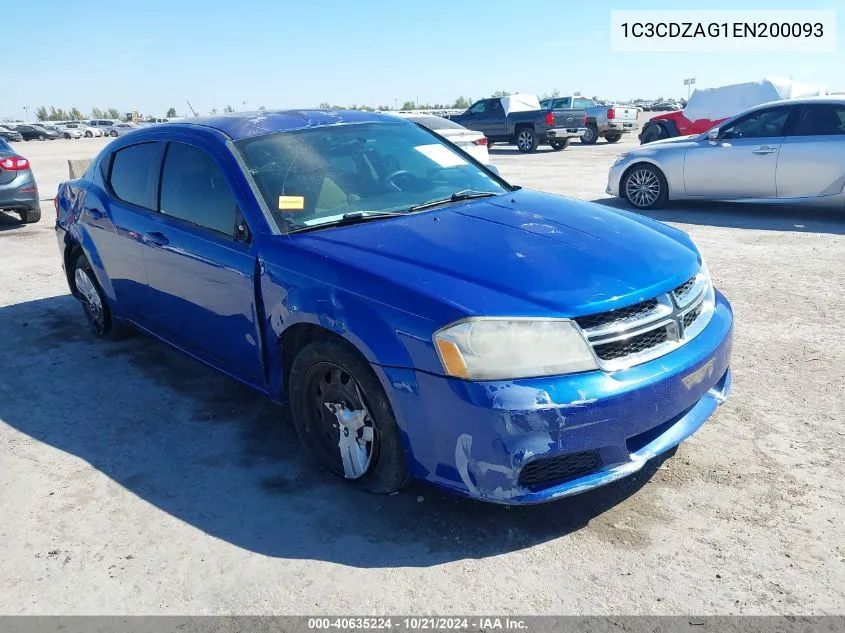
67, 136
88, 134
653, 133
591, 135
30, 216
99, 319
559, 145
113, 134
319, 397
644, 187
612, 138
41, 137
526, 140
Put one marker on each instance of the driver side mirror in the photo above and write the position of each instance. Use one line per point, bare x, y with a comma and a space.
493, 168
713, 135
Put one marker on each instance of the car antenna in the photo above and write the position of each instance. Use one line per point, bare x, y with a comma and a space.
192, 109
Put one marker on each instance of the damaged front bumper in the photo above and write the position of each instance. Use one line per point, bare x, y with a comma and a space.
534, 440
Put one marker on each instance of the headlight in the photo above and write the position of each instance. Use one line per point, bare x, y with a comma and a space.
622, 157
505, 348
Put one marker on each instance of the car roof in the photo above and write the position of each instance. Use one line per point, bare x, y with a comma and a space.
241, 125
835, 99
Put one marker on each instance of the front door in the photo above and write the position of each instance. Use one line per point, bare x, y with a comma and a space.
742, 161
201, 266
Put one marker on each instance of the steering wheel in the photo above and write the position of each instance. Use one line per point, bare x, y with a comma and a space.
397, 173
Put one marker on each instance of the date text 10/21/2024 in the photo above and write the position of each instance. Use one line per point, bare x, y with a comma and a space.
421, 623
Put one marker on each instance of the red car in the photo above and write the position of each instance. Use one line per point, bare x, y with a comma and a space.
707, 108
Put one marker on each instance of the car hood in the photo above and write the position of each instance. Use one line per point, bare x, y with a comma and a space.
674, 142
520, 253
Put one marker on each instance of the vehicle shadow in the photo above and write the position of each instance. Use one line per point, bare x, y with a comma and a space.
10, 221
226, 460
735, 215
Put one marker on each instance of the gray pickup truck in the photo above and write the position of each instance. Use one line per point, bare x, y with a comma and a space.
603, 121
519, 119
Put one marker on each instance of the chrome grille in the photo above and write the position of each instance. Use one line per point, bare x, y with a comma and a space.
635, 334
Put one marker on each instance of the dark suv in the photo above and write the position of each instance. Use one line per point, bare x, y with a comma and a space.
9, 135
18, 191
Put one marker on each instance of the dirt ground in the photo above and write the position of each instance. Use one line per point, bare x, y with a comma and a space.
135, 481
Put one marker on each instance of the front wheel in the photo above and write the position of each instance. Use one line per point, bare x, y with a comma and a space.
591, 135
559, 145
526, 140
67, 136
612, 138
41, 137
645, 187
343, 417
653, 133
88, 134
114, 133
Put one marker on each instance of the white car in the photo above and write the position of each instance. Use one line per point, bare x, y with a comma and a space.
62, 131
119, 129
472, 142
86, 130
106, 125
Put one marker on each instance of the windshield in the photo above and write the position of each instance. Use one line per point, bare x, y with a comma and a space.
316, 176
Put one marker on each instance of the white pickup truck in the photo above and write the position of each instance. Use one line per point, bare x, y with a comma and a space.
603, 121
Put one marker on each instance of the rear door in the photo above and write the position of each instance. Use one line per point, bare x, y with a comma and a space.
116, 221
742, 163
812, 158
201, 266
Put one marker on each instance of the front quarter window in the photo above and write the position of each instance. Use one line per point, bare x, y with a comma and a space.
315, 177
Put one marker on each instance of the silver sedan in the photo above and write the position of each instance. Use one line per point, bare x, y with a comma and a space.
788, 152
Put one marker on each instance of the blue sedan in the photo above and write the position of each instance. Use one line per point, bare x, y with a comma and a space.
422, 317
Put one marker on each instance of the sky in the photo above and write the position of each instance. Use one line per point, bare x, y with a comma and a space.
151, 55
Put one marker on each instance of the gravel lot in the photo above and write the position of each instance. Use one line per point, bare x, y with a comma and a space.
135, 481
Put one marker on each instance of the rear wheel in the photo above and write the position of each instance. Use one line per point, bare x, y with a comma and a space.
30, 216
66, 135
559, 145
93, 300
645, 187
88, 134
344, 418
526, 140
591, 135
41, 137
612, 138
114, 133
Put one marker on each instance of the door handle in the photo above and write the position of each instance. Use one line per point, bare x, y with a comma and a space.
156, 238
765, 149
95, 214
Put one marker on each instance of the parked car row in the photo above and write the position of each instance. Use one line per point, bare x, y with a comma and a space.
51, 130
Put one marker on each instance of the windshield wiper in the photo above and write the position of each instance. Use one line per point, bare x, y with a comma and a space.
458, 196
353, 217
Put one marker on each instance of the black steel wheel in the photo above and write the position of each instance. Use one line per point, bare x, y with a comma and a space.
343, 417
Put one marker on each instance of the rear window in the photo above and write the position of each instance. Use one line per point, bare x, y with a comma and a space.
436, 123
132, 173
821, 119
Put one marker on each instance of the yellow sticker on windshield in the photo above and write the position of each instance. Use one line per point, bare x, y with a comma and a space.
291, 203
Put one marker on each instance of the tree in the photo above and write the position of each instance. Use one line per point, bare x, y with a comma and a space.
171, 113
41, 113
96, 113
75, 114
228, 109
461, 103
113, 113
213, 110
553, 95
502, 93
261, 108
409, 105
324, 105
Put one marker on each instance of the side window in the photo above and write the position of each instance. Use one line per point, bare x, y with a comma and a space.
496, 107
193, 189
133, 172
821, 119
479, 108
758, 124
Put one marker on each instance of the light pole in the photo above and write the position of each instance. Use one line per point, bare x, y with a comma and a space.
689, 82
26, 114
244, 105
